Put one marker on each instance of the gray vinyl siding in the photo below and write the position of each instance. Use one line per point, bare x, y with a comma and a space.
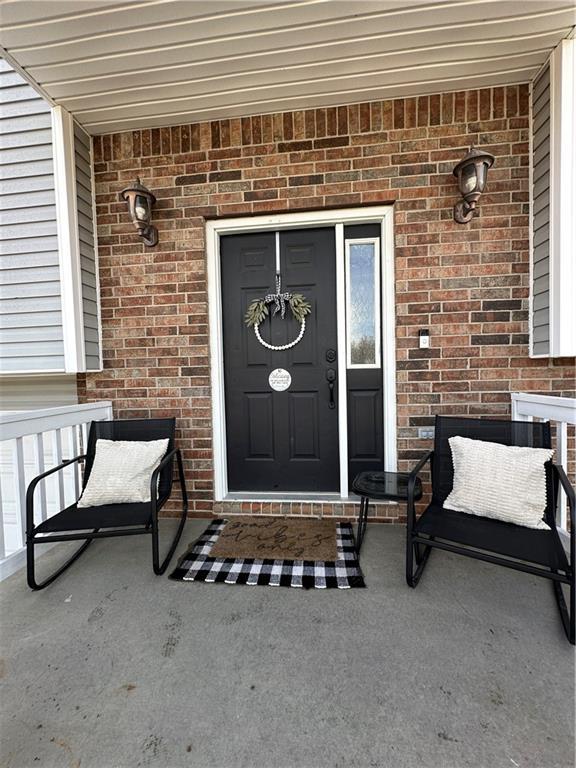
30, 305
88, 263
23, 393
541, 214
31, 319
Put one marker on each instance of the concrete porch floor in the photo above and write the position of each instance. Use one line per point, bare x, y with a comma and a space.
113, 667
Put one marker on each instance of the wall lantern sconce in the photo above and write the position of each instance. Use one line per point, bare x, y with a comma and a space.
471, 173
140, 202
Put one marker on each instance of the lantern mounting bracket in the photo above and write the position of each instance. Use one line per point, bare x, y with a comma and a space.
463, 213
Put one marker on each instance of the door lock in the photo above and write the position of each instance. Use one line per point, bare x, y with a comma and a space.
331, 378
330, 355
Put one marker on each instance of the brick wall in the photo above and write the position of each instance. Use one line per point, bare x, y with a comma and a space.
467, 283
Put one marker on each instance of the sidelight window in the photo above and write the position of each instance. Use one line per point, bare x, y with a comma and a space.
363, 303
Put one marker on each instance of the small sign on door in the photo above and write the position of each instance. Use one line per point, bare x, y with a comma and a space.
279, 379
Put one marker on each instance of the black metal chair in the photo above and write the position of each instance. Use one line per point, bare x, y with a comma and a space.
89, 523
534, 551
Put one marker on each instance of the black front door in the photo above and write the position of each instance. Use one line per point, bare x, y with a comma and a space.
280, 440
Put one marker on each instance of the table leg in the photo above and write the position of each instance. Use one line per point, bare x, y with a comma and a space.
362, 518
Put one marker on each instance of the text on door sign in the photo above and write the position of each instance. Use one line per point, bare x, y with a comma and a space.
279, 379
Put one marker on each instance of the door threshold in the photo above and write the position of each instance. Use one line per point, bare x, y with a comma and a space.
283, 496
309, 498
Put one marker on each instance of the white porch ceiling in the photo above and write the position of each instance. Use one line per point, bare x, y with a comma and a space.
124, 65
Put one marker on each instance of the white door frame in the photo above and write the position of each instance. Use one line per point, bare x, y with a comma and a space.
383, 215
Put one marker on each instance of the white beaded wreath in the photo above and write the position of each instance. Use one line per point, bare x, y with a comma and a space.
279, 348
258, 310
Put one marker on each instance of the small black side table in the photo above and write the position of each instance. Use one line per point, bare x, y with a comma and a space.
392, 486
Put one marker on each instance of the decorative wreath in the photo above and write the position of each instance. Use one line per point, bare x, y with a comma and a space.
258, 311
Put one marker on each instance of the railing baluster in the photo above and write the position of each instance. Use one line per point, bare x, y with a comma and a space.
83, 437
41, 488
20, 485
2, 539
57, 457
562, 459
83, 447
75, 467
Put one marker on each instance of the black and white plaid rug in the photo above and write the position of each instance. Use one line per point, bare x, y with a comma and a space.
343, 573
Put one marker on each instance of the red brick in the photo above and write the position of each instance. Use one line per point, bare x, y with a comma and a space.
267, 130
364, 118
331, 121
246, 127
215, 134
257, 129
423, 110
399, 113
342, 121
310, 124
320, 122
447, 107
299, 131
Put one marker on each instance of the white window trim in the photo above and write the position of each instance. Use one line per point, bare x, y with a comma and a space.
562, 196
341, 361
63, 147
374, 241
531, 222
96, 259
68, 240
337, 218
562, 261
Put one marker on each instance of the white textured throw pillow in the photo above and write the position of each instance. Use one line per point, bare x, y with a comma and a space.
122, 471
506, 482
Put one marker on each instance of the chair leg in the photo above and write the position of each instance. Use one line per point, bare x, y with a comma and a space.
419, 552
31, 565
414, 552
409, 562
160, 567
566, 616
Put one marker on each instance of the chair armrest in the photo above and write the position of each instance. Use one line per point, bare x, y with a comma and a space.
569, 490
34, 483
154, 479
410, 510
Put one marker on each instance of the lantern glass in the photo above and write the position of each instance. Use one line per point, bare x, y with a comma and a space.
468, 179
142, 209
482, 172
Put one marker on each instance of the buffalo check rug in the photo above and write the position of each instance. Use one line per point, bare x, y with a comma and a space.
200, 564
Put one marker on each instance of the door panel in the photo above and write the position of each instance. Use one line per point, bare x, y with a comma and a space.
280, 441
260, 425
304, 443
364, 410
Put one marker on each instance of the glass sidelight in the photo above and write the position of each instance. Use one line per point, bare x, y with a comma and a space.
363, 303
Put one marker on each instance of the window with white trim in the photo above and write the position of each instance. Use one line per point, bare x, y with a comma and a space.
363, 303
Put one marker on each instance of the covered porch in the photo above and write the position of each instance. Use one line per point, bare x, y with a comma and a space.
472, 668
171, 173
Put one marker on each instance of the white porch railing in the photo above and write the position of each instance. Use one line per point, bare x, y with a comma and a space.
30, 443
562, 411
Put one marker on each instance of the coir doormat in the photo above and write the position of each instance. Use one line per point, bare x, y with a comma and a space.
276, 551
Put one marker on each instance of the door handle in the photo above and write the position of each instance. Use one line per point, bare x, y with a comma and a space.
331, 378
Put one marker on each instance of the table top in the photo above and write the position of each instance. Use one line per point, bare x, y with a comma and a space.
385, 485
